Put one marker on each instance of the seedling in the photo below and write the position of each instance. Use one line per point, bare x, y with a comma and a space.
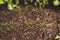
42, 3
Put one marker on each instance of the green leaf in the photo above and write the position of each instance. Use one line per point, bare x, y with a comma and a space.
37, 0
2, 2
56, 3
57, 37
10, 7
31, 0
5, 0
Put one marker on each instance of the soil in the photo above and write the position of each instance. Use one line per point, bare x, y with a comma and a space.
29, 24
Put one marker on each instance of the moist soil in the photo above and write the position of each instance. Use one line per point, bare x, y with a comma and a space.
29, 24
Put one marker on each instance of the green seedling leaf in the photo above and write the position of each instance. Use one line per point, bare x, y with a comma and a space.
57, 37
5, 0
10, 7
31, 0
2, 2
37, 0
56, 3
14, 5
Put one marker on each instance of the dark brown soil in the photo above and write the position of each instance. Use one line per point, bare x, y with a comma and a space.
29, 24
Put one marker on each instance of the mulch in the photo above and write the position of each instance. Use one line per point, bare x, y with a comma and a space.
29, 24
